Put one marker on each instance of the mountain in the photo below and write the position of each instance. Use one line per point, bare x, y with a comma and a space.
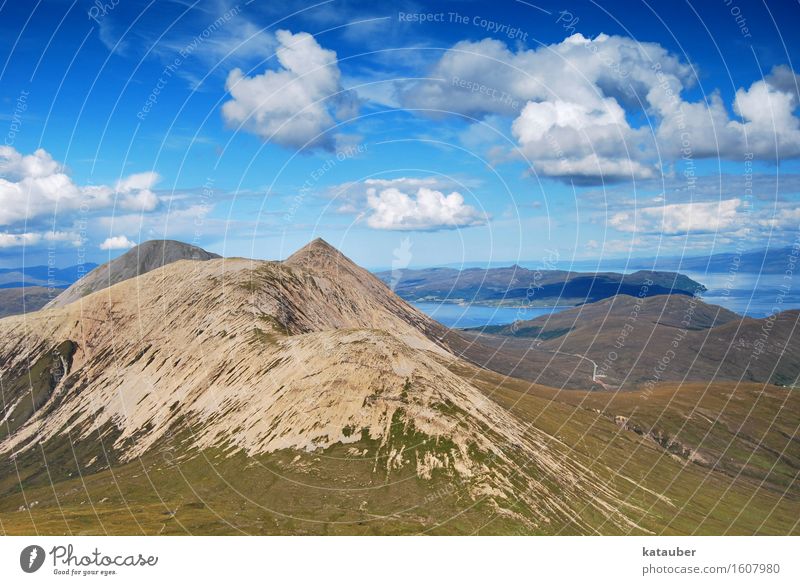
236, 396
17, 301
28, 289
763, 261
43, 275
662, 310
138, 260
517, 286
260, 358
627, 342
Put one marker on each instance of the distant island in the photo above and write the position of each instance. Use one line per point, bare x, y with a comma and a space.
761, 261
515, 286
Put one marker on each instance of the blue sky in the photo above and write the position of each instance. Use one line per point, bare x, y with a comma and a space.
420, 133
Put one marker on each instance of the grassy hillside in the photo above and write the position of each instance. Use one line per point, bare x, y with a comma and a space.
627, 342
723, 458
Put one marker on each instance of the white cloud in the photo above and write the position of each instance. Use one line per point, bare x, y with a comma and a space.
567, 99
17, 166
427, 209
11, 240
136, 193
680, 218
36, 185
474, 78
573, 102
568, 139
783, 218
768, 127
409, 182
117, 243
137, 182
295, 105
351, 197
14, 240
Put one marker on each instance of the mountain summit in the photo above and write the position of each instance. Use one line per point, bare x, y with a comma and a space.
319, 253
136, 261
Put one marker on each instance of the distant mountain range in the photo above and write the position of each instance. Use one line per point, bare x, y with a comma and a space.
764, 261
506, 286
518, 286
43, 275
760, 261
24, 290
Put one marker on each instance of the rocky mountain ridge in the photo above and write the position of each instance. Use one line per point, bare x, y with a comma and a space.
263, 357
135, 262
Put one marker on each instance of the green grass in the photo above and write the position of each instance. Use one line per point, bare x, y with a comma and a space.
173, 491
81, 487
741, 494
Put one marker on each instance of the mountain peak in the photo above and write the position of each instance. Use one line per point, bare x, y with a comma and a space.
318, 245
319, 254
170, 248
138, 260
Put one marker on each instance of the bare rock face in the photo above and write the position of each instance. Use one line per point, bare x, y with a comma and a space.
262, 357
330, 267
135, 262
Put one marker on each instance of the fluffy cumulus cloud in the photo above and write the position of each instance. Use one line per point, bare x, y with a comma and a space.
573, 103
680, 218
351, 197
35, 185
390, 208
408, 203
117, 243
8, 240
765, 125
295, 105
566, 139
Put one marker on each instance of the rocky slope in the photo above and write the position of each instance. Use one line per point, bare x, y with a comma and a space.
264, 358
138, 260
